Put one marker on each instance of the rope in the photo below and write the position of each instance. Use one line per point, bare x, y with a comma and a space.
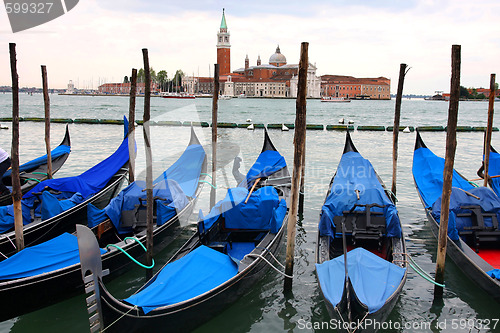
38, 180
271, 254
204, 181
40, 173
123, 315
3, 255
129, 256
393, 195
206, 174
472, 183
419, 270
277, 270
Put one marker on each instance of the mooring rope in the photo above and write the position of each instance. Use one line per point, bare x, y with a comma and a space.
419, 270
123, 315
204, 181
270, 264
129, 256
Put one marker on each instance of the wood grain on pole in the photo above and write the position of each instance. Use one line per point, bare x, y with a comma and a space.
131, 126
395, 130
149, 164
16, 182
215, 99
46, 103
299, 147
451, 143
489, 129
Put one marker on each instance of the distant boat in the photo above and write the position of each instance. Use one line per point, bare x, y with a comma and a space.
335, 99
242, 96
225, 97
177, 95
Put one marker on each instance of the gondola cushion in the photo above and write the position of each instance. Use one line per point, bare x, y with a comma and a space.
374, 279
192, 275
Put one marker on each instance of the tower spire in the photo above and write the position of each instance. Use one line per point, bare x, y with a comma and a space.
223, 24
223, 47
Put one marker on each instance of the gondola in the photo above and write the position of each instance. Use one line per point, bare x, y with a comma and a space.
48, 273
35, 171
473, 233
359, 218
228, 254
55, 206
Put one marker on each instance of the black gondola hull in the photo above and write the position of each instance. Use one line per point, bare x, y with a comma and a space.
185, 316
41, 231
30, 294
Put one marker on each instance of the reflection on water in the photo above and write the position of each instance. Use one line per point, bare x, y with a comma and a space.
265, 308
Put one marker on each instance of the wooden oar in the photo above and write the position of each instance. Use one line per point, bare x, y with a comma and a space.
251, 190
470, 194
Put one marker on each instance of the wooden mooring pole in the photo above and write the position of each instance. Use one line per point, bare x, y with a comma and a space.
489, 129
215, 100
131, 127
451, 144
46, 103
16, 182
299, 148
395, 130
149, 165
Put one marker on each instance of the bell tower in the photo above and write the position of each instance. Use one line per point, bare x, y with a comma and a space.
223, 48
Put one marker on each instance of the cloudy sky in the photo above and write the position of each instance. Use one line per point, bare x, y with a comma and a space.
100, 41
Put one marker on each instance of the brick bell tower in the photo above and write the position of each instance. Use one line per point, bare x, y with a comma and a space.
223, 48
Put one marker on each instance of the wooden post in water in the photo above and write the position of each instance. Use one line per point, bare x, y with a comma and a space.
131, 127
395, 130
215, 99
302, 185
46, 103
299, 141
489, 129
16, 182
149, 164
451, 144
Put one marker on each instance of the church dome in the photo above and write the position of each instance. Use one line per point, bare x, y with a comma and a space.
277, 58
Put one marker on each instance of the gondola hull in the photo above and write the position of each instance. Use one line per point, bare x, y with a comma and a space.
33, 293
40, 231
32, 176
469, 262
185, 316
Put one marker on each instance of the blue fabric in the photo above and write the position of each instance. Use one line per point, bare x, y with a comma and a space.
7, 216
356, 173
488, 201
238, 250
494, 273
256, 214
33, 164
278, 216
194, 274
428, 174
87, 184
52, 206
54, 254
268, 162
374, 279
494, 170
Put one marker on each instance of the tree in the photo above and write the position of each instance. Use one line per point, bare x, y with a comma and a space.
141, 76
125, 79
162, 78
464, 92
179, 74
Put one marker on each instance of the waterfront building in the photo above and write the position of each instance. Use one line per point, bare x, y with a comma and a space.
124, 88
351, 87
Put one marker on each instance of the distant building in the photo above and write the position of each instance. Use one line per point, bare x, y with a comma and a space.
124, 88
71, 88
351, 87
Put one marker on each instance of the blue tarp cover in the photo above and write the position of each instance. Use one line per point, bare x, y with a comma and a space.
87, 184
55, 153
428, 174
263, 211
49, 256
268, 162
494, 273
374, 279
488, 201
194, 274
494, 170
356, 173
170, 186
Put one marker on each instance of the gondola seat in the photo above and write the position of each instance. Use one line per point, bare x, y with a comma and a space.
480, 232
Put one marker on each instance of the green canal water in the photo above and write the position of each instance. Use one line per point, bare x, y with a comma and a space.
265, 308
